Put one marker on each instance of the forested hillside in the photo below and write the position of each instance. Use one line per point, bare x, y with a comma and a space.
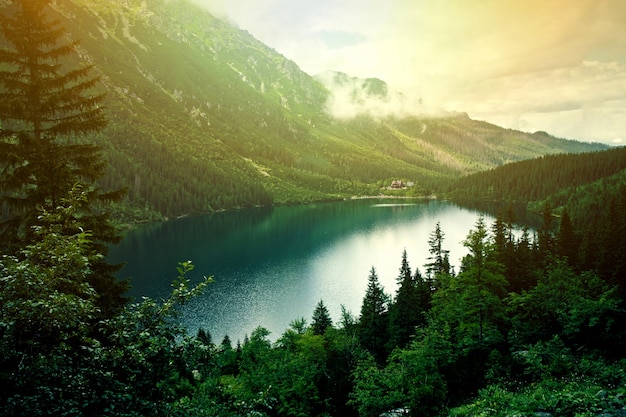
586, 191
202, 117
538, 178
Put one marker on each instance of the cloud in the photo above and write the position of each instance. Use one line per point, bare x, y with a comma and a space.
498, 59
586, 101
352, 96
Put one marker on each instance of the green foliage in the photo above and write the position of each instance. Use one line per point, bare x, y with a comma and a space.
321, 319
239, 125
375, 389
513, 360
409, 307
50, 103
439, 261
591, 387
472, 303
552, 347
411, 380
537, 179
60, 357
374, 320
42, 103
580, 307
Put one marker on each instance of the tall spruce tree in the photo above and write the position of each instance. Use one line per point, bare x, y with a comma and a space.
406, 310
321, 319
439, 257
567, 242
373, 326
48, 103
545, 236
484, 286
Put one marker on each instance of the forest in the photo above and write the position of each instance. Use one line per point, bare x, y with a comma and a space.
530, 324
536, 179
521, 328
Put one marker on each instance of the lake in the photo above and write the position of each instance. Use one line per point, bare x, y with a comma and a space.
272, 265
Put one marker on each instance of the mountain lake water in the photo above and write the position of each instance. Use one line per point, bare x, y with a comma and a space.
272, 265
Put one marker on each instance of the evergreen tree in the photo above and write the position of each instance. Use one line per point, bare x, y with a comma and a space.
498, 229
373, 321
228, 360
484, 285
545, 236
525, 261
424, 291
439, 260
204, 337
226, 343
321, 319
504, 243
566, 239
44, 111
406, 310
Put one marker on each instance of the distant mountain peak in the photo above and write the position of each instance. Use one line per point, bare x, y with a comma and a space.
353, 96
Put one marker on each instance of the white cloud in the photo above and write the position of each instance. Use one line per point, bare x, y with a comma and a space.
586, 101
351, 96
533, 62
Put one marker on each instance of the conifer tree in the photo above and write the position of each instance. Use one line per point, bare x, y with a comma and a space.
204, 337
566, 239
545, 236
483, 281
504, 243
373, 321
321, 319
439, 260
525, 259
45, 112
406, 310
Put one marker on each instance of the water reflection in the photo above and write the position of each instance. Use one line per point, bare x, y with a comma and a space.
272, 265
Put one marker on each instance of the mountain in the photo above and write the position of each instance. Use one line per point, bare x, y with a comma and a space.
202, 117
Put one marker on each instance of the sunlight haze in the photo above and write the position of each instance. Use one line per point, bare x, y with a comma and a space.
555, 65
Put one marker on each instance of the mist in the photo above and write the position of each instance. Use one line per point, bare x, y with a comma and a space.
352, 96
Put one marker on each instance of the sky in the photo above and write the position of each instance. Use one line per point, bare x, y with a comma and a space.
552, 65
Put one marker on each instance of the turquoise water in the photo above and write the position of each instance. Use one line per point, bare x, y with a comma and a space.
273, 265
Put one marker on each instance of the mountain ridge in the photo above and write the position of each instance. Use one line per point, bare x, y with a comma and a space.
205, 117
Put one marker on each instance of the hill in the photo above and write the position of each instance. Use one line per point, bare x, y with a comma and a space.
205, 117
556, 179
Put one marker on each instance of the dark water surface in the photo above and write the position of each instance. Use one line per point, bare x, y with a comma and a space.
273, 265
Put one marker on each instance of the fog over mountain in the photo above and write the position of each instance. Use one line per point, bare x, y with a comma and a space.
352, 96
552, 65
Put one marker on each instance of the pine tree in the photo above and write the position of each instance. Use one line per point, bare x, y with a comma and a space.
546, 240
567, 242
525, 259
204, 337
321, 319
45, 111
406, 310
439, 260
483, 282
504, 243
373, 322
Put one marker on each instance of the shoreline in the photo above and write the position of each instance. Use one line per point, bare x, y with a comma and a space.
127, 226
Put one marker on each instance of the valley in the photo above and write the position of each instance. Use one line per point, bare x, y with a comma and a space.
203, 117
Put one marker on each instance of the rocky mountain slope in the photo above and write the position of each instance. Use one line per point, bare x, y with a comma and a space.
203, 117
